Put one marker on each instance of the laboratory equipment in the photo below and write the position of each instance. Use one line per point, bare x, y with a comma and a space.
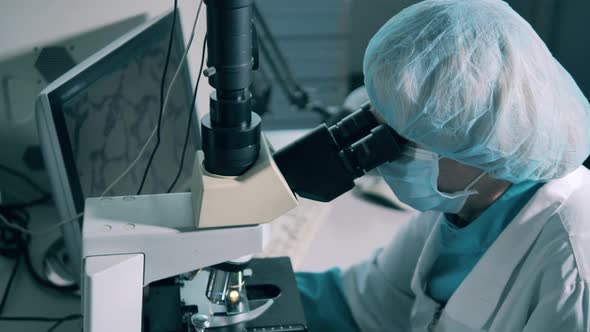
94, 120
136, 236
237, 184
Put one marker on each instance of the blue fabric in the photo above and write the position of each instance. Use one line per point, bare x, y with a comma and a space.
462, 248
324, 304
473, 82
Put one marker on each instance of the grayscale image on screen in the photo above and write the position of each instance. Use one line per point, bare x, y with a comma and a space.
110, 120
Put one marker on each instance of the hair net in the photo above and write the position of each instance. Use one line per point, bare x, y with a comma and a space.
472, 81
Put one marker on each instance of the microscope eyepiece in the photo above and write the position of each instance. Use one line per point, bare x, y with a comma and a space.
381, 145
323, 164
354, 127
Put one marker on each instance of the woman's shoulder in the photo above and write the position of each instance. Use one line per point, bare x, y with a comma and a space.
563, 245
567, 199
565, 238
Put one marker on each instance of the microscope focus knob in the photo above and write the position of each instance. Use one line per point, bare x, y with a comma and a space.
200, 322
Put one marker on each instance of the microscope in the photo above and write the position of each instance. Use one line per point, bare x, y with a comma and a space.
194, 249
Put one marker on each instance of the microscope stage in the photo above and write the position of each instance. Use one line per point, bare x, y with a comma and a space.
272, 278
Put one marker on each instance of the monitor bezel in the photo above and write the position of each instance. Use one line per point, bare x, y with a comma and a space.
56, 147
129, 44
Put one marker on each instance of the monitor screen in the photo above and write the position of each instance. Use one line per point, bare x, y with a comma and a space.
110, 114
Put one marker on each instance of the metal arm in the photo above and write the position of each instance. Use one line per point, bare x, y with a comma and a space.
277, 62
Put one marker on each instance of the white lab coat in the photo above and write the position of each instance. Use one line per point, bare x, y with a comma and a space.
534, 277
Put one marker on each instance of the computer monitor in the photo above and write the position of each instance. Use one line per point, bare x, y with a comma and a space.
94, 120
24, 72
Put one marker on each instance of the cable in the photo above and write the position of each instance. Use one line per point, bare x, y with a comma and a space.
45, 197
283, 66
281, 80
137, 158
42, 319
13, 240
28, 319
162, 86
190, 119
9, 284
41, 200
23, 177
16, 235
38, 232
153, 133
63, 320
14, 244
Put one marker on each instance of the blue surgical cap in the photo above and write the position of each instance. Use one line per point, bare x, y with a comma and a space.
471, 81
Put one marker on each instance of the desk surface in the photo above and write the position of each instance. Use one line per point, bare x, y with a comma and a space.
27, 298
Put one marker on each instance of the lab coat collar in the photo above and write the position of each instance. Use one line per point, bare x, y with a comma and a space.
481, 292
426, 259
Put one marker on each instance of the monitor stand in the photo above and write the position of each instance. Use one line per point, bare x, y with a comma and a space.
56, 265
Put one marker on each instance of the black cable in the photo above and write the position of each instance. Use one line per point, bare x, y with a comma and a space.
56, 320
45, 196
12, 244
23, 177
63, 320
41, 200
274, 46
282, 81
190, 118
162, 85
279, 66
29, 319
12, 241
9, 285
16, 244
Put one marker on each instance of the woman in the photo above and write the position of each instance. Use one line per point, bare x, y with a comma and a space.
498, 133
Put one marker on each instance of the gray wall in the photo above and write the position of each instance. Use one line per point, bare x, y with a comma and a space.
367, 17
564, 26
572, 48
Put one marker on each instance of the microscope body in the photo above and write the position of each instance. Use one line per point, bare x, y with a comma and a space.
258, 196
237, 185
132, 241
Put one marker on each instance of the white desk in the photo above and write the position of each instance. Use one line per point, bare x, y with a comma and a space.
354, 228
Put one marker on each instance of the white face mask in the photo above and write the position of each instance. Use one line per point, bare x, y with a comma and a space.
413, 178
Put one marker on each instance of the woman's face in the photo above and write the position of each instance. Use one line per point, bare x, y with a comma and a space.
453, 176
